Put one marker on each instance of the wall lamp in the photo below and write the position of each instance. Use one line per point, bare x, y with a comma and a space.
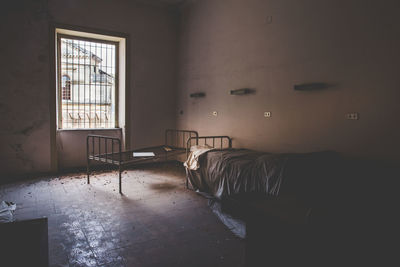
197, 95
242, 91
310, 86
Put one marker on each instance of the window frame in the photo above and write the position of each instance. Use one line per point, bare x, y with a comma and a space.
59, 78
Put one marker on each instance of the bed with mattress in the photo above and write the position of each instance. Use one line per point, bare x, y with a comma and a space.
223, 171
230, 171
293, 187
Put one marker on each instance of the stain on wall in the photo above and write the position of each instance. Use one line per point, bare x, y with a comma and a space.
273, 45
25, 126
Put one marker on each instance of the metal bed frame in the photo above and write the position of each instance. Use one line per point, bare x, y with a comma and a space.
109, 150
223, 140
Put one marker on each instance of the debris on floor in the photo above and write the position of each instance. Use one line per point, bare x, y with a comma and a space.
157, 222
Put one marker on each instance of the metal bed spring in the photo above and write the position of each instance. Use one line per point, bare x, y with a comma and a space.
219, 138
109, 150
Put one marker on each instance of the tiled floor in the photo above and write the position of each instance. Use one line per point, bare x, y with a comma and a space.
157, 222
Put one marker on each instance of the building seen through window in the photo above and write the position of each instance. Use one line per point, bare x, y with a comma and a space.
87, 71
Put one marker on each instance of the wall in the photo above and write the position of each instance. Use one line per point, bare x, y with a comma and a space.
223, 45
272, 45
71, 146
25, 93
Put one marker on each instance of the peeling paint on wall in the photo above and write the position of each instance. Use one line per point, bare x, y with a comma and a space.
21, 156
29, 129
17, 148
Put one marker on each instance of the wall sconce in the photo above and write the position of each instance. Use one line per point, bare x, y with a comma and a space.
197, 95
242, 91
310, 86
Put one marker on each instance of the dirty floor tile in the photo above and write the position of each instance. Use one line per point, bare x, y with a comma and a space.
156, 222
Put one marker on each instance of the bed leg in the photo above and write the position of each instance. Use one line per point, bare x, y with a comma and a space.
87, 158
88, 172
187, 178
120, 183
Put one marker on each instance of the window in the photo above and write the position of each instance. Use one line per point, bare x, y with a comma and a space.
88, 82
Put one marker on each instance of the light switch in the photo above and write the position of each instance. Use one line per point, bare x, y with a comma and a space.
267, 114
352, 116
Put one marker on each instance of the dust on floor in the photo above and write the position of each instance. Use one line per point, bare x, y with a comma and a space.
156, 222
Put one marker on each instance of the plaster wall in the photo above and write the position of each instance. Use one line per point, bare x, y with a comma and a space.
271, 45
71, 146
24, 88
267, 45
25, 94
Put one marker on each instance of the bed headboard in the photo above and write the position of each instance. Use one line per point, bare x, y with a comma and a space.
215, 141
178, 138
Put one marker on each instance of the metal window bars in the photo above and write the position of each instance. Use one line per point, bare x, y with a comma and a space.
88, 75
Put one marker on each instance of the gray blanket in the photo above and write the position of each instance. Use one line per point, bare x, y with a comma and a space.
236, 171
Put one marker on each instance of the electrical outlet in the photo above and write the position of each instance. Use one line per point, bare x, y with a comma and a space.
267, 114
215, 113
352, 116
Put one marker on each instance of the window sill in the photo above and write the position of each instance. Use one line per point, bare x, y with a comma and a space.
88, 130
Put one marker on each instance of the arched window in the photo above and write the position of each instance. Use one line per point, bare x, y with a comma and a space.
66, 87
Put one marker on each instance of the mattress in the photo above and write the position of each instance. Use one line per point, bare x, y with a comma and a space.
309, 177
237, 171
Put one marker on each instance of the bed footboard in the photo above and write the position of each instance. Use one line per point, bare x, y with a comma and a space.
104, 149
178, 138
217, 141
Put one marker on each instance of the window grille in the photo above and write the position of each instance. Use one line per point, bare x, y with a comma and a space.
66, 87
87, 71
